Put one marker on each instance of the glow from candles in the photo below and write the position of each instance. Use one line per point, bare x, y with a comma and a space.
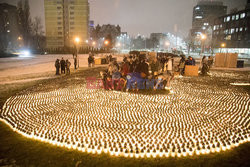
191, 121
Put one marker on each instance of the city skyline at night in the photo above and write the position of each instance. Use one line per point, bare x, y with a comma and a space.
147, 15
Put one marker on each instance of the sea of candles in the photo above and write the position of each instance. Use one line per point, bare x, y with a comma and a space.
193, 120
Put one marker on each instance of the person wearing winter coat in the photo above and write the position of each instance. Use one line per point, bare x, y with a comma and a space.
63, 65
57, 65
68, 64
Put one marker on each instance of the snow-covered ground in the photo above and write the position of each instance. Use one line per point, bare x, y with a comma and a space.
44, 63
35, 67
21, 69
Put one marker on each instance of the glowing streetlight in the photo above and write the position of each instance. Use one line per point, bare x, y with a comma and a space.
106, 42
167, 43
93, 43
77, 40
19, 38
203, 36
119, 44
223, 45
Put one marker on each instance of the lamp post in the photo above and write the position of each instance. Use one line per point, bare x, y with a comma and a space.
203, 38
20, 40
223, 45
77, 40
106, 42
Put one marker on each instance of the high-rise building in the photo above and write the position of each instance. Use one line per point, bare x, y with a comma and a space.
9, 27
66, 20
204, 14
233, 30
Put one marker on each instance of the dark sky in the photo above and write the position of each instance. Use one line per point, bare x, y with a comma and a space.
140, 16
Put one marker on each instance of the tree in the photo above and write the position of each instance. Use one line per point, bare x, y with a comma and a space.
24, 21
37, 32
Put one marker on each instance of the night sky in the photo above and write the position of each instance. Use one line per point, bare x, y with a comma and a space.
140, 16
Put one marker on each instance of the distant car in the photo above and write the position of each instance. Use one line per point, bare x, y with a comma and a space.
44, 53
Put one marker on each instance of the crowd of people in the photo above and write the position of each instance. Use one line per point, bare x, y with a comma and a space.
138, 72
63, 65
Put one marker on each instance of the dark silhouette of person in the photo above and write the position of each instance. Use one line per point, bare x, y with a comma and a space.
63, 63
68, 64
57, 65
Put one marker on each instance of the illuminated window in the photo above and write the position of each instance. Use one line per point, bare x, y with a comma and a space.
242, 15
245, 28
233, 17
225, 19
241, 29
228, 18
206, 24
198, 17
8, 30
237, 17
214, 27
197, 8
232, 30
237, 29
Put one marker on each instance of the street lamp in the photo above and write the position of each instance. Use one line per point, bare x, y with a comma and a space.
20, 40
223, 45
76, 59
118, 45
77, 40
203, 38
106, 42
